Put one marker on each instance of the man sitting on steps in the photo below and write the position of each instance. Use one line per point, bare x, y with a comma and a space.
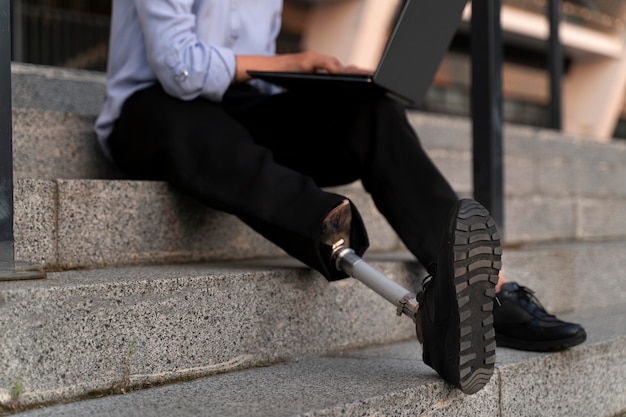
180, 107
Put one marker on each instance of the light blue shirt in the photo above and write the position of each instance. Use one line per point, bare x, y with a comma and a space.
189, 46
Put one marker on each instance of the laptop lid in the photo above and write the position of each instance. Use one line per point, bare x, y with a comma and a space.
418, 42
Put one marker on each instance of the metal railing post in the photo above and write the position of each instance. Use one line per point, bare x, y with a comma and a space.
6, 153
555, 63
486, 99
9, 269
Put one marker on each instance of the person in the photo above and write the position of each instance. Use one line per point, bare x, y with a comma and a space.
180, 107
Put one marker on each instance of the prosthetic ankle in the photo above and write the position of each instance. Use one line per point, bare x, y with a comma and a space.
336, 234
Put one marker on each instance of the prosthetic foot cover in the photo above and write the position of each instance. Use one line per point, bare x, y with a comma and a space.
456, 303
341, 228
336, 227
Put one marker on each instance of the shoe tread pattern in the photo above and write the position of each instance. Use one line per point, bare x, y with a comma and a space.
477, 262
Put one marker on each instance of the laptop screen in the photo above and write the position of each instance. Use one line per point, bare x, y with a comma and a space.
417, 44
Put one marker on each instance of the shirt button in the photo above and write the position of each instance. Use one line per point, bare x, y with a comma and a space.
182, 76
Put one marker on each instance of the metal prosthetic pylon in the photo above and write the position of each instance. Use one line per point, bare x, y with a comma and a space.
336, 234
352, 264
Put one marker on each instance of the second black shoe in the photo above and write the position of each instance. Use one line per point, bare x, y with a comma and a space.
522, 323
456, 303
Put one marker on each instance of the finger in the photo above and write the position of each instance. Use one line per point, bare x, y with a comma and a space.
329, 64
353, 69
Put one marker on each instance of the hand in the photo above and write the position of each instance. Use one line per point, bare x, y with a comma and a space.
307, 61
352, 69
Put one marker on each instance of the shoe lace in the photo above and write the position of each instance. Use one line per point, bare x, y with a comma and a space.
529, 297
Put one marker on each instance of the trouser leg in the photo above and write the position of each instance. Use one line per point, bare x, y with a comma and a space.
204, 151
370, 140
406, 186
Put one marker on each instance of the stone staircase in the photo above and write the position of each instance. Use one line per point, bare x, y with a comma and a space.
189, 312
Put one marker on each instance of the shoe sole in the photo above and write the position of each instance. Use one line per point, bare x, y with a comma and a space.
542, 346
477, 263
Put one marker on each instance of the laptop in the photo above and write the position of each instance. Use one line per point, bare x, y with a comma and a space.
419, 39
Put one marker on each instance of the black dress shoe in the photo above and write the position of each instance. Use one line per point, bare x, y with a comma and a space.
457, 301
522, 323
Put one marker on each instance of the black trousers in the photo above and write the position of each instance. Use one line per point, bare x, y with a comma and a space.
264, 159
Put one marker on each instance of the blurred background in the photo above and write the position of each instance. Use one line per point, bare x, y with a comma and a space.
75, 33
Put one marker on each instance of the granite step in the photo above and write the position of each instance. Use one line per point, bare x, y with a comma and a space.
587, 380
68, 224
56, 89
74, 224
69, 335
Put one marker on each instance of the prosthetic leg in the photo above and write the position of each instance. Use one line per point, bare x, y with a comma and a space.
456, 329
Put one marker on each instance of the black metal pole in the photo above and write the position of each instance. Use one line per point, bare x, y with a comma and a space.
6, 150
555, 64
9, 269
17, 31
486, 98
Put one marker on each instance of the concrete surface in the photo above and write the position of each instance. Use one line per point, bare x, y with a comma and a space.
586, 380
